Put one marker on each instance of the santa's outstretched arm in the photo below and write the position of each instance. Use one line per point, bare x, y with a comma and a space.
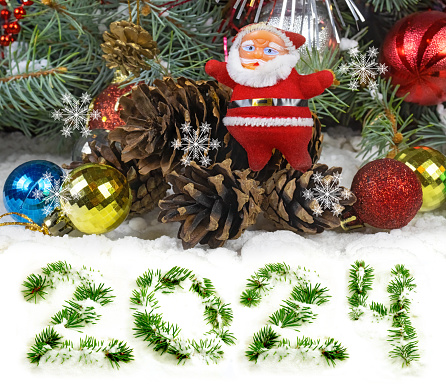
218, 70
313, 85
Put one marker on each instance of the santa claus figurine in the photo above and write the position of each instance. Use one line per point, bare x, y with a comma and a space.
269, 108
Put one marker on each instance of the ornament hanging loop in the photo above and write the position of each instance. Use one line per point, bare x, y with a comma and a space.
138, 13
31, 225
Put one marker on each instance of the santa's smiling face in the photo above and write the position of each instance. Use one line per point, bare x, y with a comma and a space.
259, 47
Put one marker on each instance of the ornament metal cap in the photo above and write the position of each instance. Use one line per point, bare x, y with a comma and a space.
350, 221
59, 225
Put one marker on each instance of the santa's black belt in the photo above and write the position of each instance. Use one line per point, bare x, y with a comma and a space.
268, 102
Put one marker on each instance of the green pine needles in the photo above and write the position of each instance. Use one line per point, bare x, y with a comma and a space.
163, 336
77, 313
361, 279
402, 335
294, 313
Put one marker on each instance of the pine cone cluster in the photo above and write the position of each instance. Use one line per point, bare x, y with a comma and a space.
126, 47
147, 189
309, 202
155, 114
212, 204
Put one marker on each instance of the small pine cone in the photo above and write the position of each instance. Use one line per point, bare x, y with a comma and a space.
307, 202
126, 47
213, 204
146, 189
154, 116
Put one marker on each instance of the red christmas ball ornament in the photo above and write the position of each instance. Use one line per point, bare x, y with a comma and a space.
6, 40
29, 2
3, 2
13, 28
5, 14
388, 195
415, 52
107, 104
19, 12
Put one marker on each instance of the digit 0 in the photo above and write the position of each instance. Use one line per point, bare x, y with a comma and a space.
164, 336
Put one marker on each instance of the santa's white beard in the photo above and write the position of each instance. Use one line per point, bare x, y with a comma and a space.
266, 74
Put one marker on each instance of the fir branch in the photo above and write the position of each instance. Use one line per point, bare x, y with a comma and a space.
263, 341
98, 294
145, 298
69, 318
383, 123
306, 293
35, 287
172, 279
333, 351
407, 352
361, 279
286, 318
36, 74
433, 130
203, 288
148, 278
45, 341
250, 298
392, 5
118, 352
60, 267
378, 308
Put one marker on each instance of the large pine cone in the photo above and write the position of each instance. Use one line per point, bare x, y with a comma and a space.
309, 202
213, 204
146, 189
154, 116
126, 47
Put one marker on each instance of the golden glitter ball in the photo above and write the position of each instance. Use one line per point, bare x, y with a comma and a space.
429, 166
98, 198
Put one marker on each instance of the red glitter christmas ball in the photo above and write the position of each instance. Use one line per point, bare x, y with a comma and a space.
107, 103
19, 12
13, 28
5, 14
414, 50
388, 194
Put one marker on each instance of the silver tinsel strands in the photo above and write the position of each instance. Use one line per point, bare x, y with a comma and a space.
308, 7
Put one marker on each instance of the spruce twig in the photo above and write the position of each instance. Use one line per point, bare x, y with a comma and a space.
164, 336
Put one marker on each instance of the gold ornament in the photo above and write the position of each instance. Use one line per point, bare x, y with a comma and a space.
99, 198
429, 166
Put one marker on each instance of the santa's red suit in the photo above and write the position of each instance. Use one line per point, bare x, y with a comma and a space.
268, 108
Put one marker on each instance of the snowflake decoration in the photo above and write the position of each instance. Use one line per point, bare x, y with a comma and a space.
326, 194
53, 194
363, 68
75, 114
196, 144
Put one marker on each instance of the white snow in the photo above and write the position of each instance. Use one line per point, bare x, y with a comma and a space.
142, 243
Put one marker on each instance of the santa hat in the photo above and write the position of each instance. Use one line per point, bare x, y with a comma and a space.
292, 40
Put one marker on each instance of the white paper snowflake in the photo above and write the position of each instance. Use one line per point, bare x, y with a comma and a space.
363, 68
53, 193
326, 194
75, 114
195, 144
